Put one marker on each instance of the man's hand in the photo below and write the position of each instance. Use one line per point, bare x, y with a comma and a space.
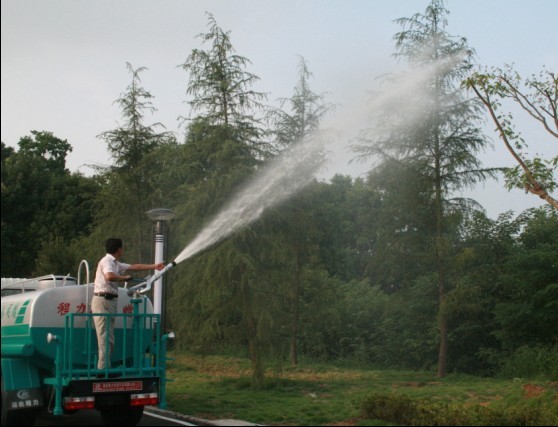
160, 266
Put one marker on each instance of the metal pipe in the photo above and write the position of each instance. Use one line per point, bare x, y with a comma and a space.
158, 283
150, 280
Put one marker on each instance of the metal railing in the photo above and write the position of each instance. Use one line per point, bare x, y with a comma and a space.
139, 350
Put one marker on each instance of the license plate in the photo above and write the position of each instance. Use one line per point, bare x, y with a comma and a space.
111, 386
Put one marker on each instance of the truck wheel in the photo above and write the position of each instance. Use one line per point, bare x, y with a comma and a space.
121, 416
20, 417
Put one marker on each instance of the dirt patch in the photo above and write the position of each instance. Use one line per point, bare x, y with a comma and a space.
412, 384
415, 384
532, 390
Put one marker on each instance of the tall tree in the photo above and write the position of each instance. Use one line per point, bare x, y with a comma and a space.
538, 97
221, 88
297, 119
223, 146
439, 148
129, 143
125, 196
299, 116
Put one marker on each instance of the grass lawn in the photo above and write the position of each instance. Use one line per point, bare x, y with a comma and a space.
218, 387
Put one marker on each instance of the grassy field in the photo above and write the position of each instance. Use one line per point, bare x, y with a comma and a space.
218, 387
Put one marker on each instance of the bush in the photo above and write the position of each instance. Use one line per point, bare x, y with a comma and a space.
401, 409
532, 362
389, 407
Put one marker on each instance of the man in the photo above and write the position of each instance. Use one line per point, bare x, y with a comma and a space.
110, 271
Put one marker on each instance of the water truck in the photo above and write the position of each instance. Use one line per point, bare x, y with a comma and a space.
50, 351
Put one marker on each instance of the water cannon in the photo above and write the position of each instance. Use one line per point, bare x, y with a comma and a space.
159, 273
148, 282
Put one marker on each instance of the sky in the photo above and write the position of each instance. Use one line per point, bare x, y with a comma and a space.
64, 63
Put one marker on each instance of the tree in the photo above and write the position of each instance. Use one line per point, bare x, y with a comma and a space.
126, 193
47, 148
223, 146
440, 147
539, 98
305, 111
222, 89
484, 245
129, 143
527, 309
42, 203
401, 226
6, 151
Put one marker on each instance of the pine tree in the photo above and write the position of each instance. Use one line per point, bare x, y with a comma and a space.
436, 140
305, 110
223, 147
125, 197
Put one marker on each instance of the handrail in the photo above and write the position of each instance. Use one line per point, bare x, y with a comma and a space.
21, 283
84, 262
134, 327
145, 356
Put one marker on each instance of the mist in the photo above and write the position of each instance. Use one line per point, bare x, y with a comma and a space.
301, 162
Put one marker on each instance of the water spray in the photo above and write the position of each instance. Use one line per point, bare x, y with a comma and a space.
287, 174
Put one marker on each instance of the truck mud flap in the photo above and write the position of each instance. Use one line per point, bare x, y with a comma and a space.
28, 398
21, 385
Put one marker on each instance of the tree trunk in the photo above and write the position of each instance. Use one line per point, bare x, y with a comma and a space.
296, 311
251, 325
443, 353
440, 254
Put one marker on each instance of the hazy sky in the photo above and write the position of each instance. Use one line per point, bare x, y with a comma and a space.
64, 61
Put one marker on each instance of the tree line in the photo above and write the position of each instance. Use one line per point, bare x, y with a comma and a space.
389, 270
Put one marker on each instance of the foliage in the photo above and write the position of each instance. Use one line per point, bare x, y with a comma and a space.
126, 194
437, 153
377, 270
305, 110
221, 89
42, 203
403, 227
528, 309
538, 97
531, 362
223, 147
391, 407
400, 408
217, 387
295, 243
129, 143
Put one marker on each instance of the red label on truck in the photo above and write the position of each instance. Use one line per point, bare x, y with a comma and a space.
105, 387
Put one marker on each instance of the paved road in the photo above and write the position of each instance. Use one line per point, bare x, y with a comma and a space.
91, 417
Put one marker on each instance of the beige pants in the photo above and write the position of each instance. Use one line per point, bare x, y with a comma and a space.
104, 325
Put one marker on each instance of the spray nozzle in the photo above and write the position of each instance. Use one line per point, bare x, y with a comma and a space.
148, 283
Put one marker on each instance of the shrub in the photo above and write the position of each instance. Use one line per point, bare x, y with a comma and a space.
401, 409
393, 407
532, 362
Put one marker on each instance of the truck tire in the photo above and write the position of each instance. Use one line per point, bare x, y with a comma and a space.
121, 416
19, 417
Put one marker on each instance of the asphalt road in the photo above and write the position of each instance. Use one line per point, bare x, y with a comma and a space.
91, 417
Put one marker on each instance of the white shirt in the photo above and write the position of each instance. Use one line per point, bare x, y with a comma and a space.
109, 264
